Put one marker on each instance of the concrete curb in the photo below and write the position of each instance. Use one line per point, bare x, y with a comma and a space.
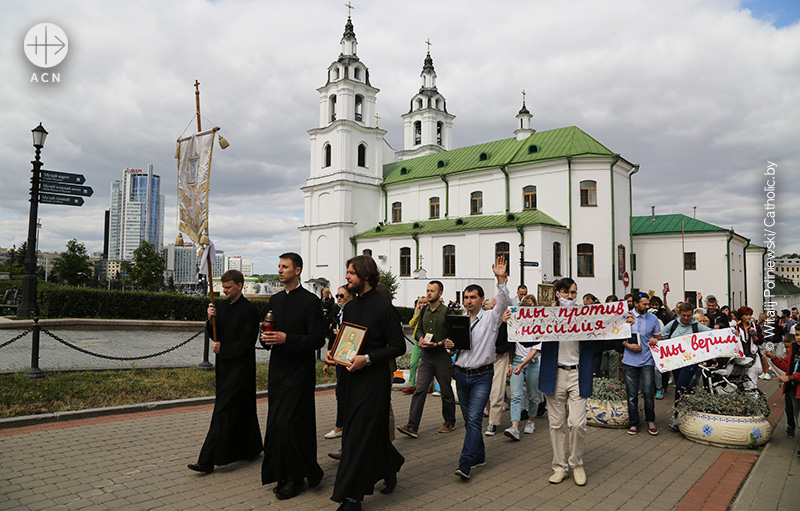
28, 420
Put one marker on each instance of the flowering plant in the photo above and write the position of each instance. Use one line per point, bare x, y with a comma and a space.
607, 389
736, 404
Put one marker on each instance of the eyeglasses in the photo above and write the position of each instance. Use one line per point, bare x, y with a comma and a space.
341, 296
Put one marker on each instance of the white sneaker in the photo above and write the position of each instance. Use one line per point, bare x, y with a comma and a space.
491, 429
766, 376
330, 435
512, 433
530, 427
436, 393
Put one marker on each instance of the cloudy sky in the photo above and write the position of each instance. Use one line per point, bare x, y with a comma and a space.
701, 94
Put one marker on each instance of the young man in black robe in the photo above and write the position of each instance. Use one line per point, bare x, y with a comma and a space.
290, 442
234, 433
364, 391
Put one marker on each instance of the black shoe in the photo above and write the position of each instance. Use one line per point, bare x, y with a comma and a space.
524, 415
348, 505
289, 489
206, 469
278, 486
542, 409
790, 431
335, 455
389, 485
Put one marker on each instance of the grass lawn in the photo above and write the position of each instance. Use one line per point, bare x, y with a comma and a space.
64, 391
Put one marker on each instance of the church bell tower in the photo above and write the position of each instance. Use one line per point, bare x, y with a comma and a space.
427, 127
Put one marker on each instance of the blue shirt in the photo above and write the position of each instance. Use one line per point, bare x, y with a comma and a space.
646, 325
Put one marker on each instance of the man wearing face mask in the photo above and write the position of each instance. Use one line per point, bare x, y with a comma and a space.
566, 380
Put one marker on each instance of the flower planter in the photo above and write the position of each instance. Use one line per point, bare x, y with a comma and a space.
607, 414
725, 430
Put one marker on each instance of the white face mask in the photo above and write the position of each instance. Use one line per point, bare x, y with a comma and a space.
568, 303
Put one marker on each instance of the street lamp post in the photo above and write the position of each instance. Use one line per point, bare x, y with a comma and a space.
522, 264
28, 305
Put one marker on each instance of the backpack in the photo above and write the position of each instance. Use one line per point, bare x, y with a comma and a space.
674, 324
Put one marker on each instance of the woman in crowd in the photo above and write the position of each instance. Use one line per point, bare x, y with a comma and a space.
524, 379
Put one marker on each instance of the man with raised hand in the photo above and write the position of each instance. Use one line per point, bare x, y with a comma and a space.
474, 368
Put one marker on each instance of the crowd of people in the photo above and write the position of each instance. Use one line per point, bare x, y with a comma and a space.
552, 377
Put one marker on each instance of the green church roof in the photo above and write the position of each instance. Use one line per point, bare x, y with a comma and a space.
541, 146
471, 223
670, 224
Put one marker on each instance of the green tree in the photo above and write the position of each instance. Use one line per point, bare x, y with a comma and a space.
390, 281
73, 266
147, 268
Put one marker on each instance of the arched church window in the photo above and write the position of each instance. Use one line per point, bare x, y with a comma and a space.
501, 249
405, 262
362, 155
434, 207
588, 193
397, 212
417, 132
556, 259
529, 198
449, 260
357, 73
439, 127
585, 260
326, 155
332, 103
419, 103
476, 203
359, 106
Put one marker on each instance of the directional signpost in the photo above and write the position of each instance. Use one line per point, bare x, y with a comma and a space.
85, 191
61, 187
65, 200
62, 177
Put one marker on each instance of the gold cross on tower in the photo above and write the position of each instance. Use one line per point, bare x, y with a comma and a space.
348, 8
523, 96
428, 42
377, 118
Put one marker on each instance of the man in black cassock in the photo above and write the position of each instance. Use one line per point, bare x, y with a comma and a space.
364, 391
234, 433
290, 442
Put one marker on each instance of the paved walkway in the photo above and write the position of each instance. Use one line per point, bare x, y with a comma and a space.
138, 461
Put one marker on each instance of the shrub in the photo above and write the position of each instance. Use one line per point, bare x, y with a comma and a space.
737, 404
406, 313
607, 389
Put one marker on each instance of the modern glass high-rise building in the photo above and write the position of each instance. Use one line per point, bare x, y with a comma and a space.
137, 213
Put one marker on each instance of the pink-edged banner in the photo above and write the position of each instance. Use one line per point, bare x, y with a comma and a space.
597, 322
691, 349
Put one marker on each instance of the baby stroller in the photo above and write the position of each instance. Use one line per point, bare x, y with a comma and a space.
729, 376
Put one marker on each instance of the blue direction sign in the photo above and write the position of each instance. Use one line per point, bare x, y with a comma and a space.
62, 177
530, 263
66, 200
66, 189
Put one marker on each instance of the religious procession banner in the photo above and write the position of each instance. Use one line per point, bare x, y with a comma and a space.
598, 322
194, 169
691, 349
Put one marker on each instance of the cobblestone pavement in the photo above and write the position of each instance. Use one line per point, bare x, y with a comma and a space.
138, 461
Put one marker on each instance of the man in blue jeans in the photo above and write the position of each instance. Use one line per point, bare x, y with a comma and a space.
474, 368
639, 364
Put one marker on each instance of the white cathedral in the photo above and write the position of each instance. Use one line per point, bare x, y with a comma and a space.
555, 203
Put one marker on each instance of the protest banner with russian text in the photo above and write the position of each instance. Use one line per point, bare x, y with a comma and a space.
691, 349
596, 322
